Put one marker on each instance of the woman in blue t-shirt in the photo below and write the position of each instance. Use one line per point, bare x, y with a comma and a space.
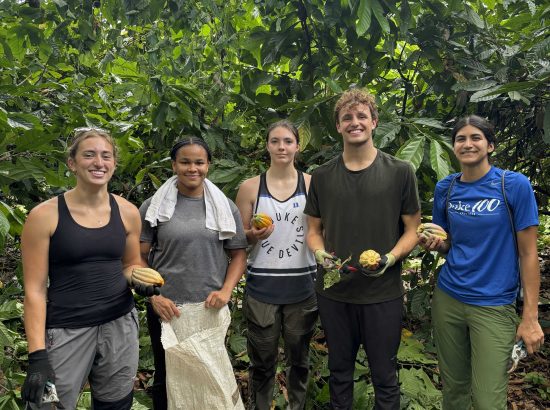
491, 219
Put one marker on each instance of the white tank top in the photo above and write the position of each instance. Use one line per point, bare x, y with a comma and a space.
281, 268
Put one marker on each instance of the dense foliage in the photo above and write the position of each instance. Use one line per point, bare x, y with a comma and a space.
152, 70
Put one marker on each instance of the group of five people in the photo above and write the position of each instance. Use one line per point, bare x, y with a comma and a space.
79, 251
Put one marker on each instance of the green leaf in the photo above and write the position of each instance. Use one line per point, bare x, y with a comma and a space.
546, 123
429, 122
486, 95
156, 182
305, 135
385, 133
7, 402
225, 175
515, 95
140, 175
159, 114
379, 14
334, 85
237, 343
11, 309
514, 86
475, 85
19, 123
439, 159
363, 395
411, 350
412, 151
4, 226
405, 17
415, 383
364, 13
471, 16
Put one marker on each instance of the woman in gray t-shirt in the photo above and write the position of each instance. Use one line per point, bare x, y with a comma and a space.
197, 265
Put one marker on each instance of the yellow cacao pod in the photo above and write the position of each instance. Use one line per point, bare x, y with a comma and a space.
369, 259
260, 221
148, 276
429, 229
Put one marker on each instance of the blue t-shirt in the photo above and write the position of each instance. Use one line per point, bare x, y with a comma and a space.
482, 263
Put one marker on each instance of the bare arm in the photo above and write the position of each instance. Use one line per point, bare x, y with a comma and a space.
245, 200
409, 239
529, 328
315, 239
235, 270
35, 244
132, 224
164, 307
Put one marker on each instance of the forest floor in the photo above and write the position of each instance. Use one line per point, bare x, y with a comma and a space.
529, 386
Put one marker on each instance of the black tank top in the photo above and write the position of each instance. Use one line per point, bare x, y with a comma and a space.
87, 286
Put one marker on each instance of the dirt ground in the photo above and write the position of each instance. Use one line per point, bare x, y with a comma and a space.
530, 383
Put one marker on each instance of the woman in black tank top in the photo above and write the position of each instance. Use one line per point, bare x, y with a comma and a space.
85, 243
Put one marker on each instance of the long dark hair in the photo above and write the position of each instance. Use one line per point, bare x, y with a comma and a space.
190, 140
475, 121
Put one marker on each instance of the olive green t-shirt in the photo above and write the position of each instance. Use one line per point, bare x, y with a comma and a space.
362, 210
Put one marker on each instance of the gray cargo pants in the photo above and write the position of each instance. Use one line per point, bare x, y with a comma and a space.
266, 323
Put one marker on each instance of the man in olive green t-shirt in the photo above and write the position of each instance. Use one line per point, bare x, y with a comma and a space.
362, 199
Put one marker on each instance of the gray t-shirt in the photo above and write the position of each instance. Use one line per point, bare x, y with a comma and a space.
190, 257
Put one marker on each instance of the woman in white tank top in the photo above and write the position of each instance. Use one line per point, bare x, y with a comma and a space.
279, 297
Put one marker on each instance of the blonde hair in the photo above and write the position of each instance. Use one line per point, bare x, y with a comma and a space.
81, 134
353, 97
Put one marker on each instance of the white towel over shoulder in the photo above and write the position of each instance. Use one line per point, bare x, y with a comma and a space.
218, 211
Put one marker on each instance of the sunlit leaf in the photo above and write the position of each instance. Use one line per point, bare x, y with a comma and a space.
439, 159
364, 13
412, 151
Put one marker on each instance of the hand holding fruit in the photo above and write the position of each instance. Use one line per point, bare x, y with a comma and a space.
431, 236
261, 226
146, 281
371, 260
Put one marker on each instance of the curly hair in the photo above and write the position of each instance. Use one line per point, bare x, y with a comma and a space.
353, 97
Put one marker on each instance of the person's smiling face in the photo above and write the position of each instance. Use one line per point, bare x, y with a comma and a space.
356, 124
471, 147
94, 161
191, 167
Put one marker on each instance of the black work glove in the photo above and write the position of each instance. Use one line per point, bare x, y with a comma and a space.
146, 290
38, 373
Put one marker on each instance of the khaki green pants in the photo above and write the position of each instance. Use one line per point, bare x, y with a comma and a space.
474, 344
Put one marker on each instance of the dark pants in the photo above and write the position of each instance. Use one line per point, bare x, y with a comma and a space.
378, 327
266, 323
158, 389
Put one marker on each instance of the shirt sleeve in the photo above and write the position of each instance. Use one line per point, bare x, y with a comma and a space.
521, 198
312, 202
147, 232
439, 213
410, 203
239, 240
